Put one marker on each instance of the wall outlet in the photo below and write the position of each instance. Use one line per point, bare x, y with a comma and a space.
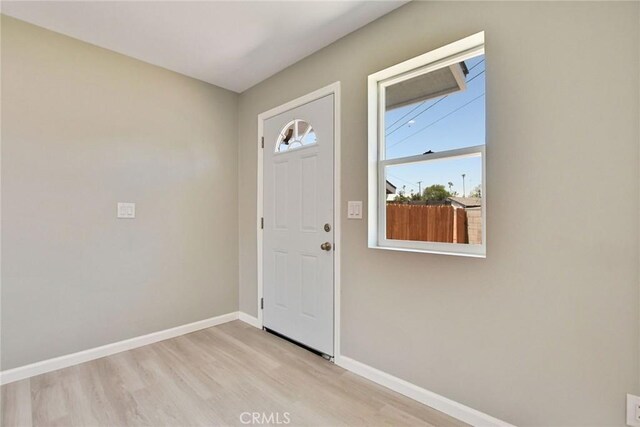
126, 210
633, 410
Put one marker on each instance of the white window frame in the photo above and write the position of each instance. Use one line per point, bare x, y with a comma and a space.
466, 48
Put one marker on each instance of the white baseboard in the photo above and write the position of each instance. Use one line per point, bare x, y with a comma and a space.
429, 398
247, 318
60, 362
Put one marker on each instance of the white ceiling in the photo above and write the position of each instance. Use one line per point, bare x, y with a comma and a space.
232, 44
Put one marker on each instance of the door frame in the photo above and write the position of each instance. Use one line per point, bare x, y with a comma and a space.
332, 89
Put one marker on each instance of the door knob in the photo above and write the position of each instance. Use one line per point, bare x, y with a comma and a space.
326, 246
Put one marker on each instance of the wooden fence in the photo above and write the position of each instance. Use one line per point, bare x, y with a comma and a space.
427, 223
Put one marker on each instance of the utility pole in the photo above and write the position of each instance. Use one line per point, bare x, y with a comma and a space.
463, 188
420, 188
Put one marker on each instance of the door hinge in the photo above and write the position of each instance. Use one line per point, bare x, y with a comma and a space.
262, 223
261, 303
262, 138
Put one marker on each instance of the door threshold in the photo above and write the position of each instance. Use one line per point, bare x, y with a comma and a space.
299, 344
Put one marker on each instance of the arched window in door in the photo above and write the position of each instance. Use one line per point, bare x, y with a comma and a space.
296, 134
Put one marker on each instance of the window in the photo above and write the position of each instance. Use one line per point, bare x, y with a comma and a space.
296, 134
427, 186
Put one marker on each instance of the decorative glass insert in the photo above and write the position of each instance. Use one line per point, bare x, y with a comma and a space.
296, 134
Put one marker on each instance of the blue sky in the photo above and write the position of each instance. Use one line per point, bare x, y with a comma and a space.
439, 124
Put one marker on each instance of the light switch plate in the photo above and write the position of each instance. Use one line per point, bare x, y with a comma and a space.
126, 210
354, 209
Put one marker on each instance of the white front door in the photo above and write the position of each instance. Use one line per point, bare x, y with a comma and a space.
298, 224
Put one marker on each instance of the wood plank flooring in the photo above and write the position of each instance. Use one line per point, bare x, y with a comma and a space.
214, 377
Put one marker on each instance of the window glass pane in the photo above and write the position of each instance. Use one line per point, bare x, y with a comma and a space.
435, 201
436, 111
295, 134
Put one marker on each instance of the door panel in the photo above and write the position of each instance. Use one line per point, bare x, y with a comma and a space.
309, 194
281, 190
298, 202
280, 282
309, 285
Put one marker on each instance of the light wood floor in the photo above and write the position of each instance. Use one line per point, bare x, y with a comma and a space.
209, 378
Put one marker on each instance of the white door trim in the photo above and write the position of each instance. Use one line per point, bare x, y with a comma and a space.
334, 89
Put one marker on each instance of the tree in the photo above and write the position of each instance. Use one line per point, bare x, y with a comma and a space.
476, 192
400, 198
436, 192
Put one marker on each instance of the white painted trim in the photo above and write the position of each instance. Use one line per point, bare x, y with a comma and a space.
260, 207
337, 226
468, 43
247, 318
333, 88
456, 153
65, 361
435, 59
424, 396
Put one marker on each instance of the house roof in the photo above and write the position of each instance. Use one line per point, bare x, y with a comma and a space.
467, 202
391, 189
426, 86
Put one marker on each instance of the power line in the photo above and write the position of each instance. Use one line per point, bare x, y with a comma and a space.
436, 121
473, 78
403, 180
423, 102
430, 106
426, 109
405, 115
479, 62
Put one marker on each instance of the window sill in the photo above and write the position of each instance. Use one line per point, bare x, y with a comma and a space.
429, 251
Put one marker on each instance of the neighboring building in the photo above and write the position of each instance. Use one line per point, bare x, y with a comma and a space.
465, 202
391, 192
391, 189
473, 207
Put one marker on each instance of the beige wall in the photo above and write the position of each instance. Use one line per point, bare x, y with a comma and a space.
84, 128
545, 331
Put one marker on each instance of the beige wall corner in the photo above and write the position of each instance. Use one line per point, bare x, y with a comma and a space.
545, 330
82, 129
